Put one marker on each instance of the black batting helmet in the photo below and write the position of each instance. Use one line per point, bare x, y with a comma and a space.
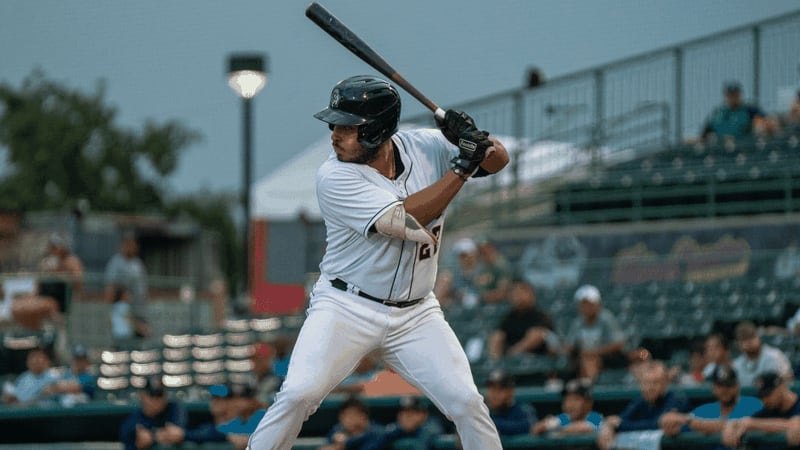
368, 102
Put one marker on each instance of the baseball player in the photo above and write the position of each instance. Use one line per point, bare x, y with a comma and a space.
382, 194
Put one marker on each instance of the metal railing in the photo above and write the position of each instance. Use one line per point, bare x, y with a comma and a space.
657, 98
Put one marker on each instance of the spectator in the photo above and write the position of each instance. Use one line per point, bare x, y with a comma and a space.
247, 411
465, 289
718, 351
693, 376
355, 430
595, 339
643, 413
221, 412
267, 383
126, 270
525, 329
793, 118
780, 405
710, 418
33, 387
283, 350
577, 416
756, 357
62, 272
365, 371
24, 306
154, 422
510, 418
735, 118
122, 323
494, 276
413, 424
77, 384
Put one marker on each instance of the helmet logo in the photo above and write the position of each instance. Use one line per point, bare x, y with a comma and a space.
335, 98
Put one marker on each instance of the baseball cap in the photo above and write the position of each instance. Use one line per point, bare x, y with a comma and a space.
578, 386
500, 379
464, 245
724, 375
80, 351
154, 386
219, 390
587, 292
766, 382
413, 403
732, 86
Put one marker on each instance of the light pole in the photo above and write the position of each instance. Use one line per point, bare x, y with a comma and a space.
247, 75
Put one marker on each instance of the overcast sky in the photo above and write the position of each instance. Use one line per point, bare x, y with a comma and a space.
166, 59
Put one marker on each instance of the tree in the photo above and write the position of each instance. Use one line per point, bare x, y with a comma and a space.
64, 147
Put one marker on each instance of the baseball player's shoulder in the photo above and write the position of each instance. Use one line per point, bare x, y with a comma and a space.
333, 169
421, 135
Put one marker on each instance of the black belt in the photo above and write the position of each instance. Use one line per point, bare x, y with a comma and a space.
342, 286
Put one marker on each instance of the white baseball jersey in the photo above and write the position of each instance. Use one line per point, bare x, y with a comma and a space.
353, 196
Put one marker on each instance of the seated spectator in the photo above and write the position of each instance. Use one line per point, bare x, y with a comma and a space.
693, 376
267, 382
154, 422
33, 387
77, 384
510, 417
354, 430
757, 357
735, 118
526, 328
781, 405
365, 371
247, 411
495, 274
221, 412
413, 424
282, 345
595, 339
792, 117
644, 412
577, 416
710, 418
718, 351
62, 272
464, 288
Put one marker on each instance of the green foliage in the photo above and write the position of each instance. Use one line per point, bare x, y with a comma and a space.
63, 146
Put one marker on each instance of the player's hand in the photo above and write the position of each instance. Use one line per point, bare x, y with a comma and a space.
472, 147
455, 123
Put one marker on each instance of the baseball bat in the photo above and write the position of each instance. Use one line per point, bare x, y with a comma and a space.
339, 31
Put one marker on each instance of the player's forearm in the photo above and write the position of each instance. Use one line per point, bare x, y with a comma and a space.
429, 203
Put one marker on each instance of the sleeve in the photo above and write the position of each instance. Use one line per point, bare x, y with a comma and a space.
632, 420
178, 415
346, 196
595, 419
780, 364
127, 432
614, 332
518, 421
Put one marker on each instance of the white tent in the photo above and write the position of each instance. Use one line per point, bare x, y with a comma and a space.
291, 189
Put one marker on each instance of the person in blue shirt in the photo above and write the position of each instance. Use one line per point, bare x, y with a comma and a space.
734, 118
413, 424
779, 414
156, 416
247, 411
711, 417
577, 416
35, 386
221, 412
644, 412
510, 417
354, 430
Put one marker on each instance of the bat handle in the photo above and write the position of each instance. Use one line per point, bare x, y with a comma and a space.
439, 113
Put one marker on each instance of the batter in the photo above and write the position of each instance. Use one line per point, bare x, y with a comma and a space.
382, 194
